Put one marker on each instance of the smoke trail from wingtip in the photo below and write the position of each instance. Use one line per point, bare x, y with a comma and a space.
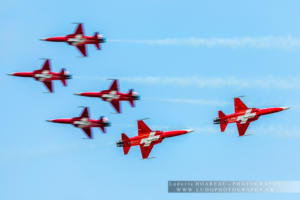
278, 42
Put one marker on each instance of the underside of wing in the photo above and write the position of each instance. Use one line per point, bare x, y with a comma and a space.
239, 105
114, 86
88, 132
85, 113
116, 104
142, 127
79, 29
242, 128
146, 150
46, 65
48, 84
82, 49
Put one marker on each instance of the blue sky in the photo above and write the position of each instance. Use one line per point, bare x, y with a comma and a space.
182, 82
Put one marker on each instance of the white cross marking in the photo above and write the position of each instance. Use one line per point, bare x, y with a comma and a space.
111, 96
244, 118
42, 76
83, 122
78, 39
147, 141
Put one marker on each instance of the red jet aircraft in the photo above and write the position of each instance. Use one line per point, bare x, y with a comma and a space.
84, 122
79, 40
243, 116
45, 75
113, 96
146, 138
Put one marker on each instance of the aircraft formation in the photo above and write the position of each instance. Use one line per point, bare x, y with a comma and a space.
146, 137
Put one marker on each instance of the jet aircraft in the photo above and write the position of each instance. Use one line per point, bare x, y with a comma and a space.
84, 122
243, 116
146, 138
45, 75
113, 96
79, 40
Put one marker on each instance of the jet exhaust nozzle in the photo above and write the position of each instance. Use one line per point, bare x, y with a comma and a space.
120, 143
106, 124
136, 97
68, 76
217, 120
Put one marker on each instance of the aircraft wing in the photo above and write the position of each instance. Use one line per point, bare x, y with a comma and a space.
114, 86
82, 49
79, 29
48, 84
142, 127
116, 104
85, 113
88, 132
242, 128
146, 150
239, 105
46, 65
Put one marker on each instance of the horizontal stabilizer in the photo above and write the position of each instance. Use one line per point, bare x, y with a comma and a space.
63, 80
126, 143
223, 122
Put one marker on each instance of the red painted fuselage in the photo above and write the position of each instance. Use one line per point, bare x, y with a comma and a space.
147, 138
45, 75
84, 122
113, 96
243, 116
79, 40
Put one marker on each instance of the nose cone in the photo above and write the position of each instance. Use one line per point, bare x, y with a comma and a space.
49, 121
54, 39
189, 130
11, 74
88, 94
285, 108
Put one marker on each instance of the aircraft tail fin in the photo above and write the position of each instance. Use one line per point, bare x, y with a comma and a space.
131, 100
97, 43
223, 123
126, 143
63, 80
102, 120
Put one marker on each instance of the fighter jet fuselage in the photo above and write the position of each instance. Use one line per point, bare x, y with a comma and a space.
84, 122
243, 116
146, 138
113, 96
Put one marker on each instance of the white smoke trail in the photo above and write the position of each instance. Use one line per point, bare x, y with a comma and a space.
189, 101
204, 82
279, 42
268, 82
274, 130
